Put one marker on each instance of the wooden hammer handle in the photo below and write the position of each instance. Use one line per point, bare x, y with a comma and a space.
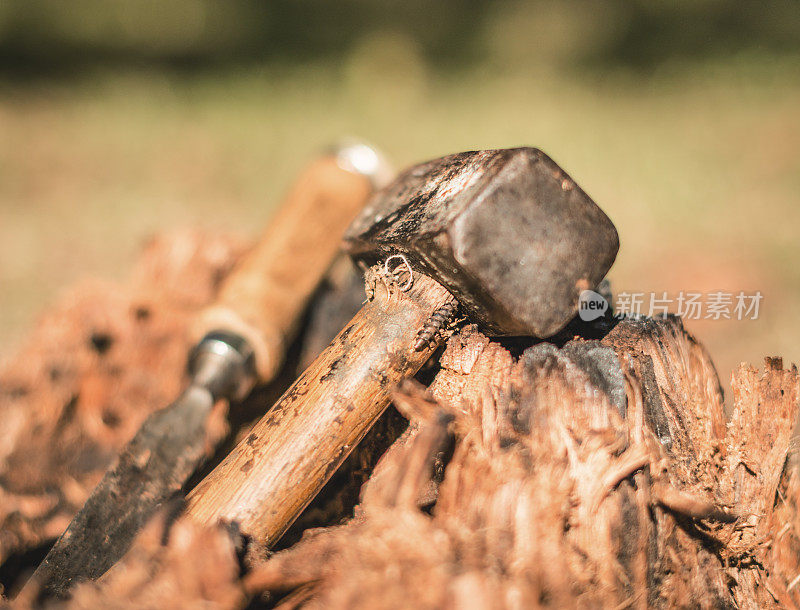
272, 475
261, 300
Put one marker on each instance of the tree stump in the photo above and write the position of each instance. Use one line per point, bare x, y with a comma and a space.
601, 474
594, 472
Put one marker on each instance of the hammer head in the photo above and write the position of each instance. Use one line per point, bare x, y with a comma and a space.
507, 232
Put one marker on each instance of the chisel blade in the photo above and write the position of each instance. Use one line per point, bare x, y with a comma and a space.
153, 467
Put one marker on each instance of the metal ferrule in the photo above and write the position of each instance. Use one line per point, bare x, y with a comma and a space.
361, 158
223, 364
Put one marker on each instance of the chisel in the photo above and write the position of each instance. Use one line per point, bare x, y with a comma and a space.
242, 338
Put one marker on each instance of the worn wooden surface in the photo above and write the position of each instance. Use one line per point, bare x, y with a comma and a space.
594, 475
174, 564
270, 477
559, 494
600, 474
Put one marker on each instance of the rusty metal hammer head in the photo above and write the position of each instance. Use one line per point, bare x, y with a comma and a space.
507, 232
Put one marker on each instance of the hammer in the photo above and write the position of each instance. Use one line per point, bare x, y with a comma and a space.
242, 338
506, 236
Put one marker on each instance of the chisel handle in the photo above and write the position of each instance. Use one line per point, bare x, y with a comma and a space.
262, 299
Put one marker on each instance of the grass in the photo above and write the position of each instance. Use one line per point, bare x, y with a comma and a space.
698, 168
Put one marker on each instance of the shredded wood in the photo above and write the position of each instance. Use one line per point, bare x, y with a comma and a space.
599, 473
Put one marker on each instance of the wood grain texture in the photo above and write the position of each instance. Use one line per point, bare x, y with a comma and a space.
560, 493
267, 480
264, 296
570, 481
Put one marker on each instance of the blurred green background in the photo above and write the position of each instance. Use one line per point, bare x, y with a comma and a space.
682, 119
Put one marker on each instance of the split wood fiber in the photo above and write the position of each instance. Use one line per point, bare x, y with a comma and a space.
559, 479
99, 361
106, 356
596, 475
585, 476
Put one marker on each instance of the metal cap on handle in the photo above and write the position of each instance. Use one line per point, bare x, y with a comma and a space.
358, 157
